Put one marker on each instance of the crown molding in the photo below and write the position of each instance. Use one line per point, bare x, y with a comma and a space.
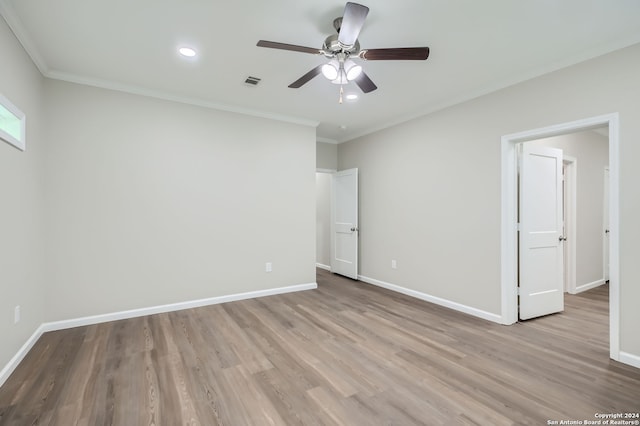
597, 51
158, 94
327, 140
16, 26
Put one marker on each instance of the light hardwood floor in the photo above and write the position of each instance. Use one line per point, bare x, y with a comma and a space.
347, 353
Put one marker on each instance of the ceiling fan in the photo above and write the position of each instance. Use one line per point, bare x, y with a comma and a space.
343, 47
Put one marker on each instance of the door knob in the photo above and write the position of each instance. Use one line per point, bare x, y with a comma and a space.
606, 231
561, 238
354, 229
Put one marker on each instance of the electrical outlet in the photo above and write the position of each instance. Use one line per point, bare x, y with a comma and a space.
394, 264
268, 267
16, 314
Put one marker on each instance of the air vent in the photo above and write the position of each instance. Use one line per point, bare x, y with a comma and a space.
252, 81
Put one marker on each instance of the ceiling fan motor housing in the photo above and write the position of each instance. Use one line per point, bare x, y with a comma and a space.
332, 46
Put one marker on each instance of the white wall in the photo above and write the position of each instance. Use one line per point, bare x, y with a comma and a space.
21, 220
323, 219
430, 188
591, 151
152, 202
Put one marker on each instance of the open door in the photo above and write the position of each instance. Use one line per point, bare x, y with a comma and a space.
344, 223
541, 240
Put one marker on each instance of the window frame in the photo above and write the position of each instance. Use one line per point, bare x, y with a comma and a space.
19, 143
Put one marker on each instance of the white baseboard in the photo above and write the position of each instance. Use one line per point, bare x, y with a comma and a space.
133, 313
630, 359
325, 267
115, 316
433, 299
19, 356
589, 286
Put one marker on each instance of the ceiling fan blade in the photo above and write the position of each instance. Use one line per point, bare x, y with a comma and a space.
352, 22
364, 83
305, 78
285, 46
400, 53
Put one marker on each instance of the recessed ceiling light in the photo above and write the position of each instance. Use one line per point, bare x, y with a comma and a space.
187, 51
352, 97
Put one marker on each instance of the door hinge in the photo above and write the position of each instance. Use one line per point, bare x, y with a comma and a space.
517, 226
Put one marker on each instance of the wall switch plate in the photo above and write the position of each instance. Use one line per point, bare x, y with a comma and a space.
268, 267
394, 264
16, 314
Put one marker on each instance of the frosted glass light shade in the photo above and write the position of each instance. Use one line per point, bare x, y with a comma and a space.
352, 69
341, 78
331, 70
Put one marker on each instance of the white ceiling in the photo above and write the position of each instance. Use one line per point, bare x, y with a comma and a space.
476, 47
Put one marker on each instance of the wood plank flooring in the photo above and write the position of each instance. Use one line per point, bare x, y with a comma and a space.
345, 354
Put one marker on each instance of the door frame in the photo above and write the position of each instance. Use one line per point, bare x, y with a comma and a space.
570, 217
606, 269
509, 233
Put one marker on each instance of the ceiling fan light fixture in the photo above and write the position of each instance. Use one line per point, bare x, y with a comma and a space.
352, 69
331, 70
341, 78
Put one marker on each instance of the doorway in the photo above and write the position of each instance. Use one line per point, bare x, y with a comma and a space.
509, 237
337, 230
323, 218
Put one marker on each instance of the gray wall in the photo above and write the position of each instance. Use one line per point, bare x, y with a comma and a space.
21, 202
152, 202
591, 151
133, 202
430, 187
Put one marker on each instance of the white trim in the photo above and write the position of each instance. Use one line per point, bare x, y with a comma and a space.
614, 236
530, 74
133, 313
433, 299
327, 140
17, 27
509, 214
605, 214
20, 142
158, 94
629, 359
19, 356
571, 183
318, 170
325, 267
589, 286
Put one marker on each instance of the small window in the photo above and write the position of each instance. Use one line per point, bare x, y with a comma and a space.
12, 124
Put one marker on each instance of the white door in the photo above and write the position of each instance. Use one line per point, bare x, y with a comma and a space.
344, 223
541, 240
605, 225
